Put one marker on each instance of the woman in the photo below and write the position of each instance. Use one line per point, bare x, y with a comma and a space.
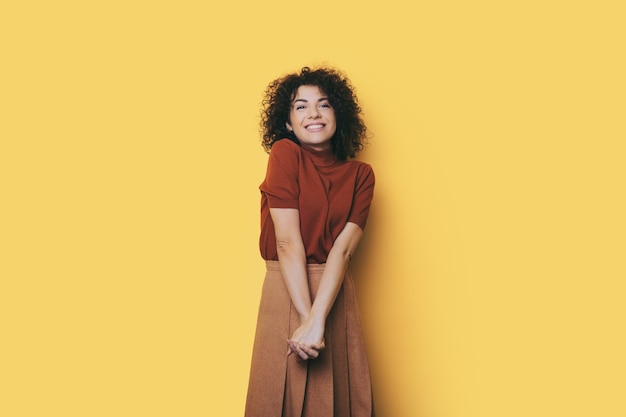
309, 354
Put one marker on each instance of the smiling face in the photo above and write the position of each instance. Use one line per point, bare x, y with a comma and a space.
312, 118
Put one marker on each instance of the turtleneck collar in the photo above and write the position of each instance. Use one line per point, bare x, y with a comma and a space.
321, 158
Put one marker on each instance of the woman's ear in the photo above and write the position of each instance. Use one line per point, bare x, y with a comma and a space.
289, 128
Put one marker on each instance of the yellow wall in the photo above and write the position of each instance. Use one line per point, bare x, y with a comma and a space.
491, 277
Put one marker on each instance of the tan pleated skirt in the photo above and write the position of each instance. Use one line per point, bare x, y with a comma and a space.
336, 384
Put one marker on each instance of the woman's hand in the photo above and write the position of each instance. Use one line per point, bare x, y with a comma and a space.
308, 340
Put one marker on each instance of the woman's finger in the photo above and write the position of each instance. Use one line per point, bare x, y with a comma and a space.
301, 352
293, 348
297, 348
319, 346
310, 351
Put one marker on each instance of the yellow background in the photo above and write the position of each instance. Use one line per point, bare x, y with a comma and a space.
491, 277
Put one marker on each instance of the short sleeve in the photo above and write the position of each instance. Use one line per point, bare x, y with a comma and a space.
363, 195
281, 179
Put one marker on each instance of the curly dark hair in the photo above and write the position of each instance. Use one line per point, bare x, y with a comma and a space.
351, 132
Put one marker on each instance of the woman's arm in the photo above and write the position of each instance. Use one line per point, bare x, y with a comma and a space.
310, 334
336, 265
292, 258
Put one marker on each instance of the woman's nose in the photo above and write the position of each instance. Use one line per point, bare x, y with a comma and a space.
314, 113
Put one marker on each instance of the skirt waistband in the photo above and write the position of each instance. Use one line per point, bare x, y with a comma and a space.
275, 266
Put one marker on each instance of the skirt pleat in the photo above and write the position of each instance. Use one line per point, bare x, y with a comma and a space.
336, 384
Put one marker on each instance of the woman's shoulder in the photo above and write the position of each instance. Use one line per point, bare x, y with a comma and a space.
285, 145
362, 172
361, 167
284, 150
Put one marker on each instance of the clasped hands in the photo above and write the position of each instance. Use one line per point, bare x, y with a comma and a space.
308, 340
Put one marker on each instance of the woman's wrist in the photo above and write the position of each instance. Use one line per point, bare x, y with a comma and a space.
317, 317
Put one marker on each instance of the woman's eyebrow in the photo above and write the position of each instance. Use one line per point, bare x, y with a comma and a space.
306, 101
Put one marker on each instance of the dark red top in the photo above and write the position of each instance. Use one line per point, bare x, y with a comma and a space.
327, 192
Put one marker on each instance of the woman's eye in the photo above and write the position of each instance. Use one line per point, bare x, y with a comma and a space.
299, 107
325, 105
